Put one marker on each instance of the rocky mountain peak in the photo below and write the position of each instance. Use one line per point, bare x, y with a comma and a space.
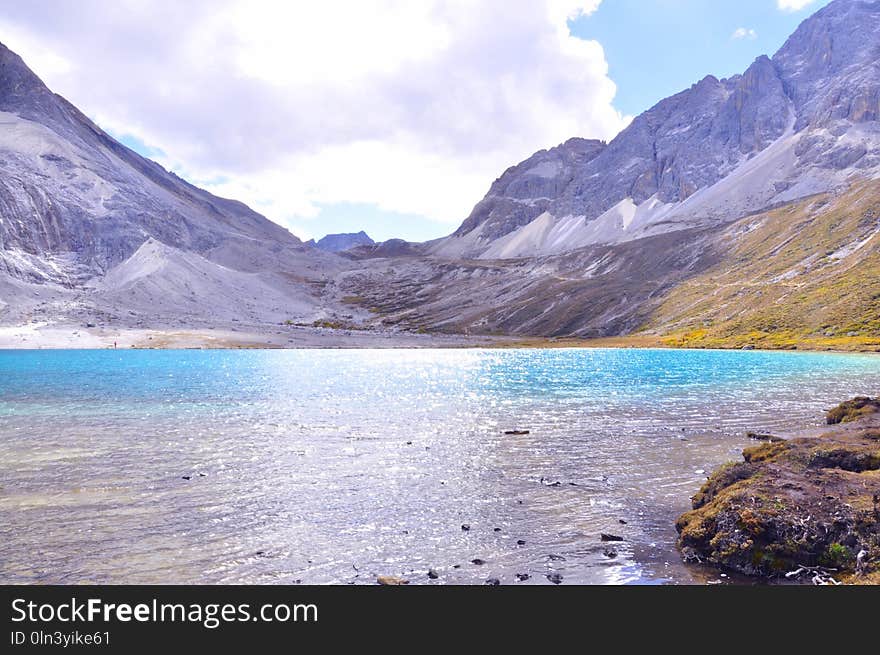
831, 64
70, 192
22, 92
799, 123
342, 242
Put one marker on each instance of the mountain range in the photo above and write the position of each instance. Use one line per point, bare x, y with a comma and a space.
741, 211
342, 242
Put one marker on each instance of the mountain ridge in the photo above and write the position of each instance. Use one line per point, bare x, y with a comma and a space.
819, 93
342, 241
76, 205
584, 240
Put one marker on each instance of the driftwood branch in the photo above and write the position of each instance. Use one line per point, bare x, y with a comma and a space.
819, 575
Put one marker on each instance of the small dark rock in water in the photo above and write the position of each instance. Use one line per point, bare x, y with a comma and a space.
610, 553
466, 527
517, 433
520, 542
610, 537
478, 561
555, 578
186, 477
621, 521
748, 347
456, 566
522, 577
556, 558
433, 574
496, 530
493, 582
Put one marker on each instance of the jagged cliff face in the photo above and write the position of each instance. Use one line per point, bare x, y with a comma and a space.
803, 122
530, 188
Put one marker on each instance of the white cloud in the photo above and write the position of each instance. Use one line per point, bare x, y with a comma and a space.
793, 5
415, 107
741, 33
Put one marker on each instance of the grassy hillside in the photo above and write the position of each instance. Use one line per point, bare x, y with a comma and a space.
805, 275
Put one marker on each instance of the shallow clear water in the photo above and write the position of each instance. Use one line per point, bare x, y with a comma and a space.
331, 466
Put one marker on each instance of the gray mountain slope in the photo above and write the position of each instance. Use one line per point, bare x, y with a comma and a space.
802, 122
78, 210
67, 186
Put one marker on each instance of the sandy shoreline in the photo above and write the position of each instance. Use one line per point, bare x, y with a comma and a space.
59, 337
66, 336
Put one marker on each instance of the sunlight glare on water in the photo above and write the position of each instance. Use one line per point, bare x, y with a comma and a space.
335, 466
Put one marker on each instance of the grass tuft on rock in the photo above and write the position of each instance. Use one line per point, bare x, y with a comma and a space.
852, 410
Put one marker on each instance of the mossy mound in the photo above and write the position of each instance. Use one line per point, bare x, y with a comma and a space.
852, 410
803, 502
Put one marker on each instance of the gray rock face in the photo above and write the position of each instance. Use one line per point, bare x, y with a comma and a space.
342, 242
68, 190
529, 188
818, 97
831, 65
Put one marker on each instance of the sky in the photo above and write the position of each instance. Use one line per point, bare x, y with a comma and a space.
391, 116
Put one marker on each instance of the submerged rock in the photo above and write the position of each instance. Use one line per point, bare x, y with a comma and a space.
797, 504
555, 578
610, 537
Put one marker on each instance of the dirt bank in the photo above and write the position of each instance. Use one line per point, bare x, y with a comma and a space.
802, 509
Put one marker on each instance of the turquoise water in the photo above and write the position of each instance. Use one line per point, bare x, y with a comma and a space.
334, 466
